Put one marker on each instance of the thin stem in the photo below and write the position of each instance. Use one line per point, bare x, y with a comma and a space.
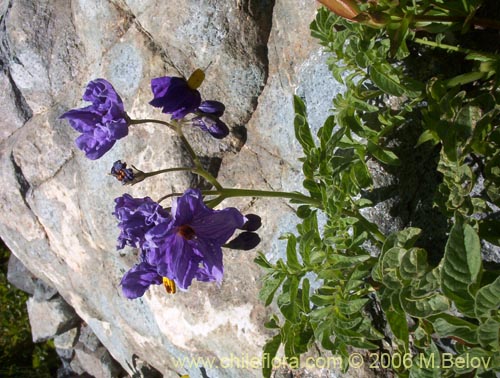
228, 193
444, 46
483, 22
168, 196
177, 127
139, 121
154, 173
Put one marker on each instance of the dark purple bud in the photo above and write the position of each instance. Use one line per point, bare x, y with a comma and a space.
244, 241
214, 108
212, 125
253, 222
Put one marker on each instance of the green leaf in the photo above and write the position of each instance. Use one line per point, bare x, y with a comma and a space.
263, 261
269, 352
306, 303
273, 322
488, 333
461, 266
413, 264
351, 306
447, 325
426, 136
488, 299
302, 130
383, 155
269, 287
291, 254
381, 77
427, 364
424, 306
399, 326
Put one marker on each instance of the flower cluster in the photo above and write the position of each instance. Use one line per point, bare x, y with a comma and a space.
176, 247
182, 244
105, 121
179, 97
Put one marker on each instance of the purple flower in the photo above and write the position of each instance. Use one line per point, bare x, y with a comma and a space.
127, 176
136, 217
138, 279
102, 123
175, 96
207, 118
190, 245
121, 172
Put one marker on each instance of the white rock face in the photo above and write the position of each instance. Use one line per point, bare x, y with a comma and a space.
55, 205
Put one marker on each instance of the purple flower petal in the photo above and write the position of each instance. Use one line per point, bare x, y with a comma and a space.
136, 217
219, 225
138, 279
174, 96
102, 123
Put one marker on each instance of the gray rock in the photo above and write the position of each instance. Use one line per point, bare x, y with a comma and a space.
98, 363
50, 318
67, 340
43, 291
88, 338
19, 276
56, 205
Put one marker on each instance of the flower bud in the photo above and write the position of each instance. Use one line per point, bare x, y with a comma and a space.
127, 176
253, 222
244, 241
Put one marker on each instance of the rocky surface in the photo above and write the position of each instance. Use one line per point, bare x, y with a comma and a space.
56, 205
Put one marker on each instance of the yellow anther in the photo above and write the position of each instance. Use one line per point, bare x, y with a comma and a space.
169, 285
196, 79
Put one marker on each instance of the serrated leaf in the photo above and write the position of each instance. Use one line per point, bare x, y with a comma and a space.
488, 299
461, 266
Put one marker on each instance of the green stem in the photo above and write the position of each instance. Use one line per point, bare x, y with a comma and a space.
483, 22
139, 121
228, 193
444, 46
177, 127
154, 173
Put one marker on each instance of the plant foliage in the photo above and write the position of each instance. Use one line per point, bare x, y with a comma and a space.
404, 65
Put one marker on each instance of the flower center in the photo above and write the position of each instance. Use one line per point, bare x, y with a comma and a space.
169, 285
120, 175
186, 232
